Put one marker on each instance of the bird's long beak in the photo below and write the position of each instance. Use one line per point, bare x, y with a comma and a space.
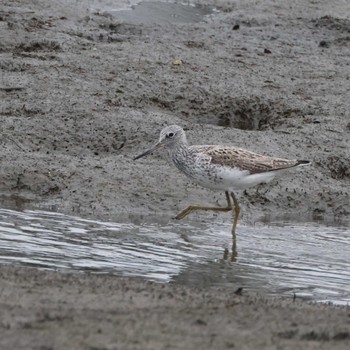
156, 146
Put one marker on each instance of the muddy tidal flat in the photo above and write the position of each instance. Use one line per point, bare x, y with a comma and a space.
87, 85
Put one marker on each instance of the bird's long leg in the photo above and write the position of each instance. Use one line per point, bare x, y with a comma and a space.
192, 208
237, 210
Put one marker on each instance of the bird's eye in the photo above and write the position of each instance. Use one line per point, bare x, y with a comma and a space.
171, 134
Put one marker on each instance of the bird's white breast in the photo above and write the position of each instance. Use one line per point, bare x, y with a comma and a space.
229, 179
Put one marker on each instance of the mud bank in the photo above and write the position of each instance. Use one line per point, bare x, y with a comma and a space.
82, 92
49, 310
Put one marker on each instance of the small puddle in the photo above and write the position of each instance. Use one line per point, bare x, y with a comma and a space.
310, 260
150, 12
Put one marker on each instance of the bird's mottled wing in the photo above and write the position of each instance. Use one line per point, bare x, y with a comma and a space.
245, 160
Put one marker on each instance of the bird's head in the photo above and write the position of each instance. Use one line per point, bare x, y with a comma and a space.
169, 137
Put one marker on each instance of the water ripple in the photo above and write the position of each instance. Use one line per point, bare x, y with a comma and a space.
310, 260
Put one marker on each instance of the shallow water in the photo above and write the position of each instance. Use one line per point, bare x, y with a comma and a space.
150, 12
310, 260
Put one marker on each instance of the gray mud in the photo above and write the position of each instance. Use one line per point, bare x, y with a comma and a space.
82, 92
47, 310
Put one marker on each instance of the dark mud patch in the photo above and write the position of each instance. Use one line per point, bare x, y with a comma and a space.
253, 113
14, 202
35, 24
38, 46
193, 44
23, 111
105, 28
245, 113
324, 336
333, 23
339, 167
111, 31
338, 31
343, 41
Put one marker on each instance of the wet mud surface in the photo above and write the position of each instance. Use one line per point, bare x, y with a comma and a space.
82, 92
59, 311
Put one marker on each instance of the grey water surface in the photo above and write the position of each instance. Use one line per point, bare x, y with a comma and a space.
150, 12
310, 260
